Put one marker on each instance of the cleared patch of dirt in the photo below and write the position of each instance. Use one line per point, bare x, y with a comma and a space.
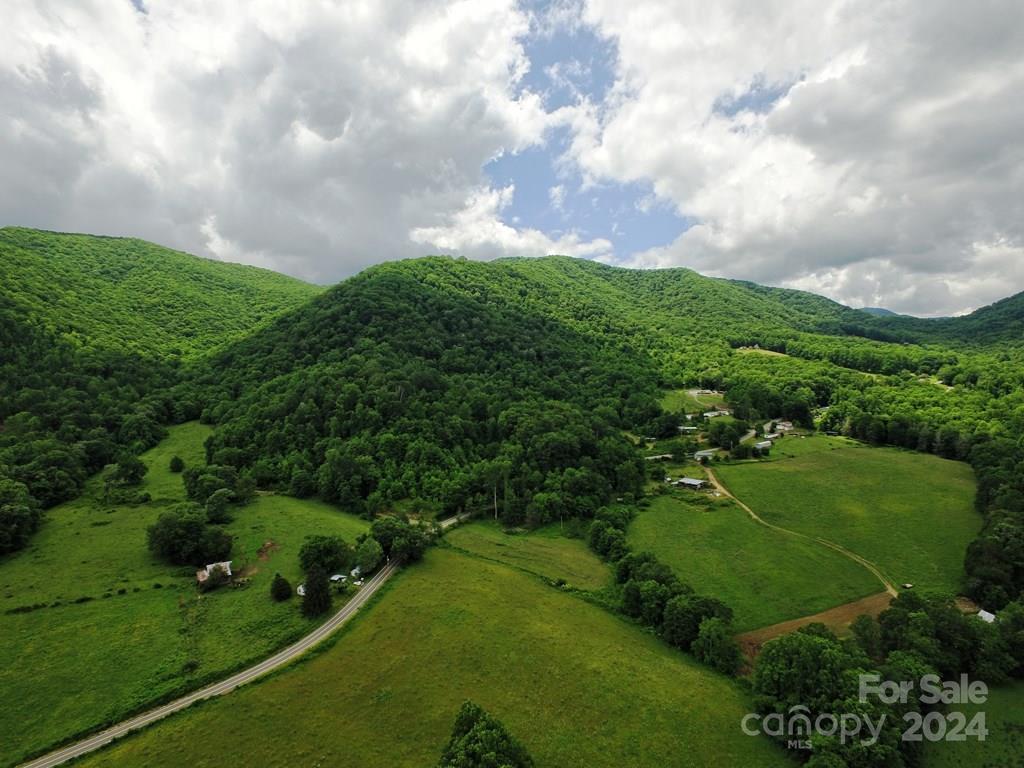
966, 605
837, 619
269, 547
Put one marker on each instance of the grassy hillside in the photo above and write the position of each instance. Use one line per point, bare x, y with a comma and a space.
137, 296
116, 629
544, 552
765, 576
575, 684
909, 514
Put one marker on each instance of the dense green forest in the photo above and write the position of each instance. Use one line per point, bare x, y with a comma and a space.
92, 334
446, 383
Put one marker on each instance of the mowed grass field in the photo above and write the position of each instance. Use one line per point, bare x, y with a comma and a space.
545, 552
141, 630
680, 400
764, 575
1004, 745
911, 514
576, 684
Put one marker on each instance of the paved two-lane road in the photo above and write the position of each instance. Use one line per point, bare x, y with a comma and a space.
276, 661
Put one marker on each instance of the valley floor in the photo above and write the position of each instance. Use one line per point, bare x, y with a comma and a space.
577, 685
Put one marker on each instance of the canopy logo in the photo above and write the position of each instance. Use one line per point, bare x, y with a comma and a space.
882, 702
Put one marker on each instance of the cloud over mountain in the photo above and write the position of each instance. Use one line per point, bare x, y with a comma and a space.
871, 151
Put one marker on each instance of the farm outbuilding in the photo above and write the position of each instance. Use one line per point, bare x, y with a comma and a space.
204, 573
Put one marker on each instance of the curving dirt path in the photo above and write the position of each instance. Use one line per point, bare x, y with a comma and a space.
837, 619
890, 588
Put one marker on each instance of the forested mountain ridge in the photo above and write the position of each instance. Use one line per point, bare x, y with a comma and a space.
1000, 323
135, 296
424, 380
441, 382
446, 380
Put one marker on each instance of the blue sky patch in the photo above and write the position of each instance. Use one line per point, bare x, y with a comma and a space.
759, 98
567, 66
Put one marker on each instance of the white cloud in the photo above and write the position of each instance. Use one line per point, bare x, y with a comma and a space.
871, 150
477, 231
895, 156
312, 136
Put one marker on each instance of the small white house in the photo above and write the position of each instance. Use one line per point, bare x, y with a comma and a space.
712, 414
339, 577
659, 457
705, 454
772, 436
764, 445
692, 482
986, 616
204, 573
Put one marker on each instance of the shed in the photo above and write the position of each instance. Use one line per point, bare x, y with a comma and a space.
986, 616
705, 454
764, 445
204, 573
692, 482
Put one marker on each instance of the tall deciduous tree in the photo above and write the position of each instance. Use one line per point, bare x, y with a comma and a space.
479, 740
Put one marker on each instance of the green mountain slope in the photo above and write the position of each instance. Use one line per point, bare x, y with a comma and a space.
441, 381
137, 296
436, 380
92, 332
1001, 323
447, 382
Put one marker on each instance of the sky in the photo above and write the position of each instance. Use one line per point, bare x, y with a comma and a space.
871, 151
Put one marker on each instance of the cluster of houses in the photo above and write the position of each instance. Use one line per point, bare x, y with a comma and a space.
338, 579
781, 427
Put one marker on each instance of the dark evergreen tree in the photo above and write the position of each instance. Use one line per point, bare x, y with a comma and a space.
280, 588
317, 598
